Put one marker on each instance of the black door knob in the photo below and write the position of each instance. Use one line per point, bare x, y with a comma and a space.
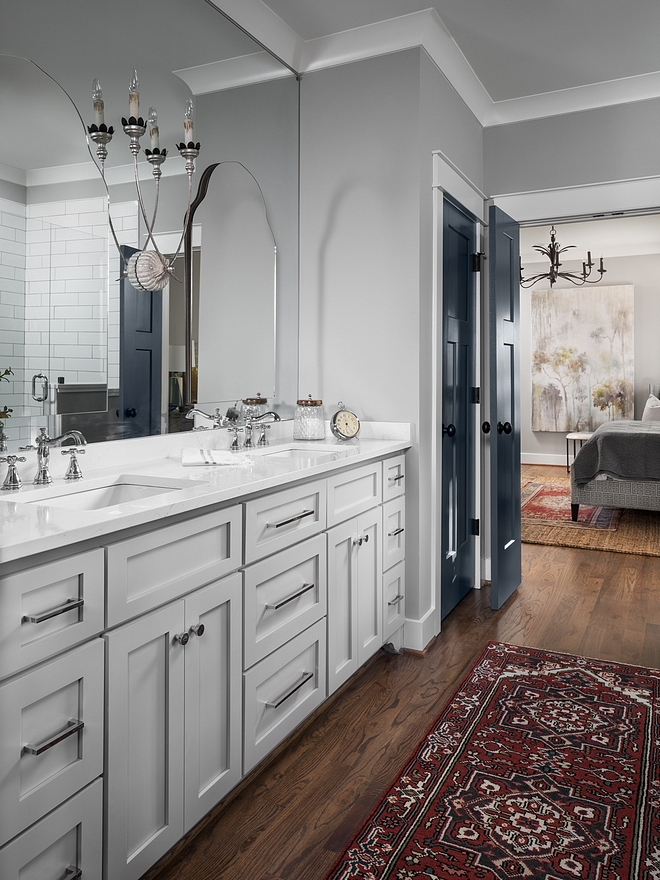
130, 412
504, 428
486, 427
450, 430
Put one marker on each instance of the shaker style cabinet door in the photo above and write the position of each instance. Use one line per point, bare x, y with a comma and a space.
51, 730
213, 695
145, 722
66, 843
355, 600
50, 608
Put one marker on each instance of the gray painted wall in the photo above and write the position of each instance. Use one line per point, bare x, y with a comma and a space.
367, 133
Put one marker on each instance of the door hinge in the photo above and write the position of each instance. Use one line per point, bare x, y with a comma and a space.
476, 395
478, 261
475, 526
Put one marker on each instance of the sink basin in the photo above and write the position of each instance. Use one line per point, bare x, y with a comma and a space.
304, 455
122, 490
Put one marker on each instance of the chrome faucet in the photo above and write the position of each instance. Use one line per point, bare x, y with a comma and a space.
42, 444
218, 420
249, 423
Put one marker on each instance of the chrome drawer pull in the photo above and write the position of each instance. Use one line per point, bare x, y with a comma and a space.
396, 599
304, 589
296, 687
73, 873
73, 727
395, 532
69, 605
286, 522
397, 478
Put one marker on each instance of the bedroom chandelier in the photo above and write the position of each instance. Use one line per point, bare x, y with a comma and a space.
553, 252
146, 269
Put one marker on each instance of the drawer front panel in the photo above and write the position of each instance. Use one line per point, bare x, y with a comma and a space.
281, 691
394, 594
149, 570
394, 477
71, 837
51, 728
394, 532
353, 492
49, 608
284, 594
282, 519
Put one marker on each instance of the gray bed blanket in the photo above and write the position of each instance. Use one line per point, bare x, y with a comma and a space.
625, 449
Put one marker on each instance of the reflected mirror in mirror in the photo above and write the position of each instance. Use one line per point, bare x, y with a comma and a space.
237, 284
246, 110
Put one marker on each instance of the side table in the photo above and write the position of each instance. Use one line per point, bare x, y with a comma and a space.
577, 437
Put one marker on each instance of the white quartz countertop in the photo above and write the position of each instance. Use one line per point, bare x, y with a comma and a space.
36, 519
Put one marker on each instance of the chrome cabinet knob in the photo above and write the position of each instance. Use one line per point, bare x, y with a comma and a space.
182, 638
197, 630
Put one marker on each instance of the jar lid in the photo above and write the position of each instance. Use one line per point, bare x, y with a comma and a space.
252, 401
309, 402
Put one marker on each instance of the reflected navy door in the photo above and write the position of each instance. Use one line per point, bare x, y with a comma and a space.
140, 345
504, 307
458, 412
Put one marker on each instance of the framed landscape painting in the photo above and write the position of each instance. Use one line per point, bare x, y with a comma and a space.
582, 357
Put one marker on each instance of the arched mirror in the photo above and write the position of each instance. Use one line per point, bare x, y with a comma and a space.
246, 111
233, 343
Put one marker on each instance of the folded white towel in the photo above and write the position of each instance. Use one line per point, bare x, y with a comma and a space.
194, 457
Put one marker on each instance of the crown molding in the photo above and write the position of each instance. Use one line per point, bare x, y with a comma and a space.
425, 30
232, 73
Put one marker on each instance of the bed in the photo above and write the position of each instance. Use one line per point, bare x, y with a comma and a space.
619, 466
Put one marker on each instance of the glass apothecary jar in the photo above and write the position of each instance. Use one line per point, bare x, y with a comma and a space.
309, 421
253, 407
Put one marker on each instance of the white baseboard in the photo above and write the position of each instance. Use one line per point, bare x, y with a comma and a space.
418, 633
542, 458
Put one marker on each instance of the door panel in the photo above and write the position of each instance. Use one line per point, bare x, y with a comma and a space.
140, 348
458, 413
504, 305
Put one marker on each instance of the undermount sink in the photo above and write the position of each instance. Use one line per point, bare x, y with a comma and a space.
122, 490
313, 455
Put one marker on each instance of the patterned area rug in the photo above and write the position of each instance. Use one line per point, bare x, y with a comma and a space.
550, 504
542, 766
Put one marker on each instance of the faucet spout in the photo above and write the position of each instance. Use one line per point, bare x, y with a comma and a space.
76, 436
272, 413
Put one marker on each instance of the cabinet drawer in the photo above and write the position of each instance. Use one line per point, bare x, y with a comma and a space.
70, 837
394, 531
353, 492
281, 691
51, 730
150, 569
394, 477
49, 608
394, 594
284, 594
276, 521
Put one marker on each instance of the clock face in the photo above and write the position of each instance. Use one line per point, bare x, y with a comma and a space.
347, 424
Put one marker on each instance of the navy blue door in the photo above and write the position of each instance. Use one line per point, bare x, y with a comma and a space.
458, 411
504, 307
140, 345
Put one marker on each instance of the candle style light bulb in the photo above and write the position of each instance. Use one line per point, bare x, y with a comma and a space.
97, 97
133, 97
188, 123
152, 123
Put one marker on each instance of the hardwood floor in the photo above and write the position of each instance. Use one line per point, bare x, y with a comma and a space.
291, 820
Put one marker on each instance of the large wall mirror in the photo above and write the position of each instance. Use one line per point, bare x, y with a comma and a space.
246, 116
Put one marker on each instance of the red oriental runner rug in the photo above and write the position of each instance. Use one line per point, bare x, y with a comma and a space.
541, 766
